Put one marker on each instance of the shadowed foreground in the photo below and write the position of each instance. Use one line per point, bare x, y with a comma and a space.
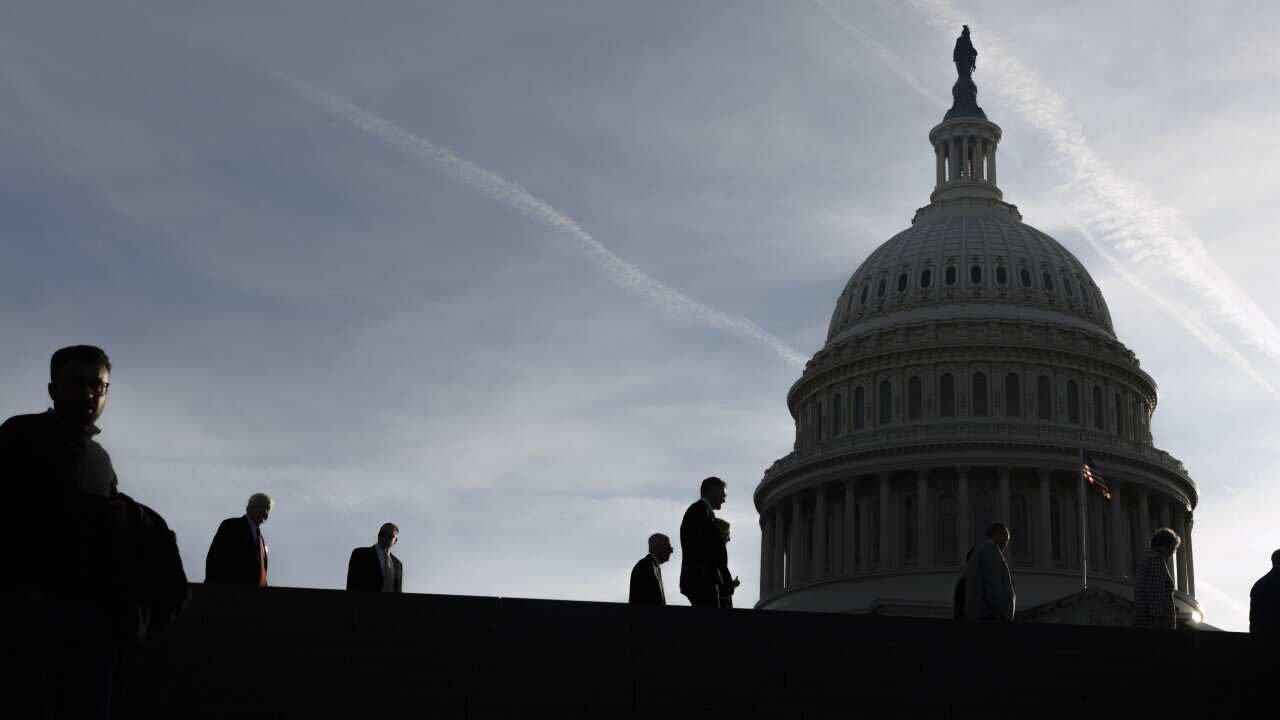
279, 652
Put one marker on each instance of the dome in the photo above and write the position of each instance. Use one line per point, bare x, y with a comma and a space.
969, 259
969, 370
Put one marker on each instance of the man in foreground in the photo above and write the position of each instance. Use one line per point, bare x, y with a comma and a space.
988, 587
702, 550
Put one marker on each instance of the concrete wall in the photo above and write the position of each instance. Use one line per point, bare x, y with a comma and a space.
282, 652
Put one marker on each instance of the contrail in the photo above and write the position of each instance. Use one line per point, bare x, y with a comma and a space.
671, 302
886, 56
1148, 235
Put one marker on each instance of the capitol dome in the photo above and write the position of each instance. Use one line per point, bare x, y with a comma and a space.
969, 362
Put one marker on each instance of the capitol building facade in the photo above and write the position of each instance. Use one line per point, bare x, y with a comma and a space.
968, 361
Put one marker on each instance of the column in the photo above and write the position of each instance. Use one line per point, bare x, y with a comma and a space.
850, 536
1002, 508
1166, 523
1119, 542
766, 549
942, 164
819, 534
1191, 563
964, 521
793, 553
1181, 557
1144, 523
979, 157
865, 540
779, 547
954, 147
1044, 524
964, 155
991, 164
924, 519
885, 559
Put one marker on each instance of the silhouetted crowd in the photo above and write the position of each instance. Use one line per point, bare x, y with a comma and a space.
88, 568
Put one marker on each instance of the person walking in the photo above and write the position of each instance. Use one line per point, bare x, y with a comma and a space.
646, 576
701, 548
374, 567
238, 553
1264, 601
989, 594
1153, 586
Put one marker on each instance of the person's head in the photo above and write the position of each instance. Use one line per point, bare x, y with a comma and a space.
259, 507
388, 534
1165, 541
713, 490
1275, 559
78, 380
998, 534
722, 526
660, 547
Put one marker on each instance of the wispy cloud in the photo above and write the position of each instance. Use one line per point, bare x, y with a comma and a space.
671, 302
1137, 233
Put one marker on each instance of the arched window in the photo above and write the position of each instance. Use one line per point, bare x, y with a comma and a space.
910, 528
945, 536
975, 274
837, 414
949, 277
1002, 276
1044, 398
1012, 395
1073, 402
980, 408
884, 402
865, 290
859, 407
926, 278
880, 288
947, 395
1048, 281
1119, 416
1066, 286
1024, 276
914, 398
1099, 412
902, 282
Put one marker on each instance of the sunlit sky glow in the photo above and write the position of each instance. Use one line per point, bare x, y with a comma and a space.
516, 276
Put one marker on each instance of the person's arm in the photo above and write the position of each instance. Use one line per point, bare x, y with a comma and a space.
352, 567
214, 560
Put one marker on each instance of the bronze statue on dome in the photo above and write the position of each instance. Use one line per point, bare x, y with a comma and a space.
965, 56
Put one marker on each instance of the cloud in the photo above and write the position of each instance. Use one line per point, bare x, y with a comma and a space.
671, 302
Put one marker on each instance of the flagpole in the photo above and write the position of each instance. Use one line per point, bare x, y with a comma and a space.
1084, 521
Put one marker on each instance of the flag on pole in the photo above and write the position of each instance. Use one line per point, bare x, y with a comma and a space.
1093, 475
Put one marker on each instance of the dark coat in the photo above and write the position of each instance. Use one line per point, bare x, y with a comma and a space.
702, 553
233, 554
646, 583
1264, 604
364, 572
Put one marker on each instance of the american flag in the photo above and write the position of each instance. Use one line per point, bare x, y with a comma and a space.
1093, 475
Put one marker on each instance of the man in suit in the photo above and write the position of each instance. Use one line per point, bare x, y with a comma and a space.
238, 553
375, 568
1264, 602
988, 586
702, 550
646, 576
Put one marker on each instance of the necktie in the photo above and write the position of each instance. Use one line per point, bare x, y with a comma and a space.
262, 559
388, 575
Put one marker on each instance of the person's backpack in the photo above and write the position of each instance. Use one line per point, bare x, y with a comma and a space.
150, 583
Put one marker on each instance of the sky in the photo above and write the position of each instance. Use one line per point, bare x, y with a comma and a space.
517, 276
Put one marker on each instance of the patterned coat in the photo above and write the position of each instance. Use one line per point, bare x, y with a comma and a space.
1153, 593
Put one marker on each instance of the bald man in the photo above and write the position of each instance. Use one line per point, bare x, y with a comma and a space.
375, 568
646, 576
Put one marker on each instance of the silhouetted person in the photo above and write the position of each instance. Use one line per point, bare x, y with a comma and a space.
988, 592
1153, 586
726, 583
1264, 601
238, 553
957, 595
964, 54
646, 576
374, 567
62, 601
702, 550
